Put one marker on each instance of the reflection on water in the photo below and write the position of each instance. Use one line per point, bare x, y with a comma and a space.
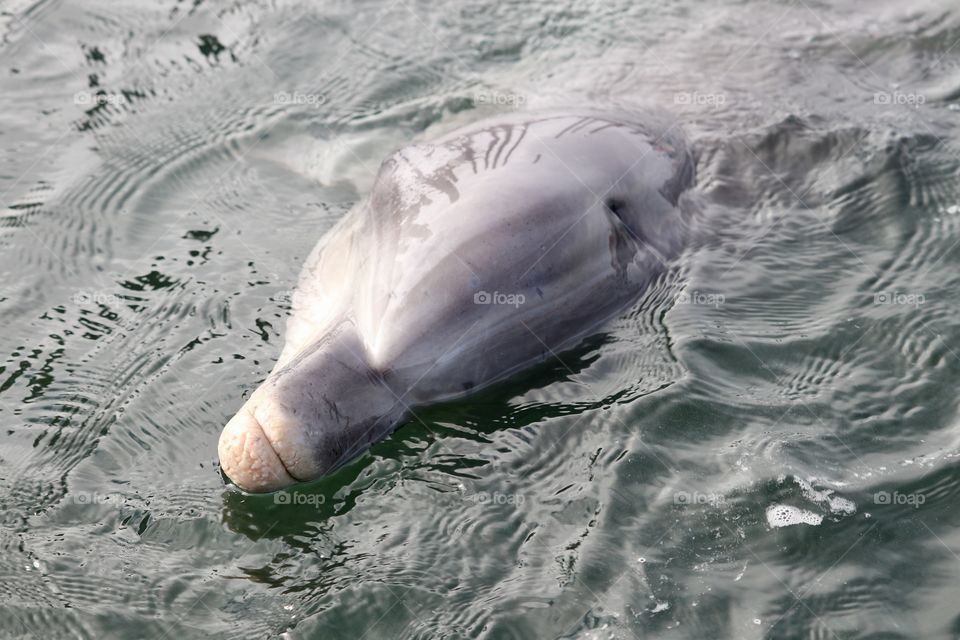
168, 168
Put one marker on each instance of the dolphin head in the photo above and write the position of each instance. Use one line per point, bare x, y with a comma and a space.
315, 413
387, 305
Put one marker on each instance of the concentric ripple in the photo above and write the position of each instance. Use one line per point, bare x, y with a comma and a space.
765, 446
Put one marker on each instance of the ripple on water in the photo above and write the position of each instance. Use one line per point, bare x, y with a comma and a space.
144, 300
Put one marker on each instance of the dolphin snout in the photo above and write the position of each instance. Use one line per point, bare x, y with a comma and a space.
311, 415
248, 458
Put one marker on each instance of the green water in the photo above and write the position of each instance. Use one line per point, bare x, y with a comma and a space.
166, 167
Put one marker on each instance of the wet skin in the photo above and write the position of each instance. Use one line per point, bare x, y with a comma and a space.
474, 256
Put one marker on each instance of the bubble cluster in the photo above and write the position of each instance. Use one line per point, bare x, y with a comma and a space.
781, 515
838, 505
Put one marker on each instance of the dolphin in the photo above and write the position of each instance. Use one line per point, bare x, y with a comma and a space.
474, 255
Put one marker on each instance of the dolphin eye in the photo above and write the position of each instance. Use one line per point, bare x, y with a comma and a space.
616, 207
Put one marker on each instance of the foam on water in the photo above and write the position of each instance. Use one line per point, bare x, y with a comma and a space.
838, 505
782, 515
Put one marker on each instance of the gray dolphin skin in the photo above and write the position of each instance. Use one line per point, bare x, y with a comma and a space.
474, 256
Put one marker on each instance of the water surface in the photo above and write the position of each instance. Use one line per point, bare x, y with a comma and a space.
766, 446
